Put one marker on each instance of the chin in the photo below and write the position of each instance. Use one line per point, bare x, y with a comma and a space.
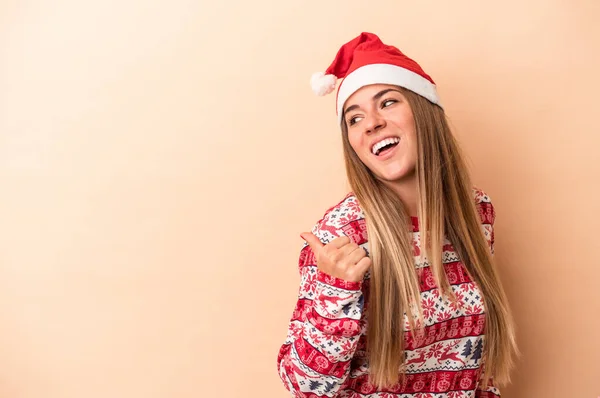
395, 178
396, 175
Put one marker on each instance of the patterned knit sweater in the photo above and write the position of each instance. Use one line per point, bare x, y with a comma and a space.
324, 354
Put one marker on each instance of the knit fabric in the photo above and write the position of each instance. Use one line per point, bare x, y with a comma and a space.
324, 354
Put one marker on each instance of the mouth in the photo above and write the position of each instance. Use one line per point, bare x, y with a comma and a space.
385, 146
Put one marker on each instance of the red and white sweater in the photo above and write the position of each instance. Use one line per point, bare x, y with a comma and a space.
324, 353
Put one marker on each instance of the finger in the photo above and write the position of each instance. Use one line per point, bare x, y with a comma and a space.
339, 242
363, 265
347, 249
339, 248
343, 253
356, 255
314, 242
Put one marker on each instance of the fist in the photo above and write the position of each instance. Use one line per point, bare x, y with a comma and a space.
340, 258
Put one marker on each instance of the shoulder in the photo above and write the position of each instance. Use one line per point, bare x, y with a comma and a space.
345, 218
484, 206
480, 196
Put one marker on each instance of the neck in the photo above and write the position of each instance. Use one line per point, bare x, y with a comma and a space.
407, 191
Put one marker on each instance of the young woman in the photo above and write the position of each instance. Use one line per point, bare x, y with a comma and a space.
399, 296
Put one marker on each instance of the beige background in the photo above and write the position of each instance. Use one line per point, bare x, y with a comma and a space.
158, 160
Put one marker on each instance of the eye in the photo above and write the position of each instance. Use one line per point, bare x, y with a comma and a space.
353, 120
388, 102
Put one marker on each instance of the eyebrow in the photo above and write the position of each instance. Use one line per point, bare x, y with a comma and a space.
375, 98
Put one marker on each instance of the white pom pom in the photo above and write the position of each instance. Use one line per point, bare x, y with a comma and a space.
322, 84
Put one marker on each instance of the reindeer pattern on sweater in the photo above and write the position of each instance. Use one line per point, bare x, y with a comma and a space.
324, 354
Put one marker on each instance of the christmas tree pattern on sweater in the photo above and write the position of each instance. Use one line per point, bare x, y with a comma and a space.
324, 354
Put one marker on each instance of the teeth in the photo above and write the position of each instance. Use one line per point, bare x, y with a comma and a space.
383, 143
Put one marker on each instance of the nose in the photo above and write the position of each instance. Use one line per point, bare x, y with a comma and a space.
374, 122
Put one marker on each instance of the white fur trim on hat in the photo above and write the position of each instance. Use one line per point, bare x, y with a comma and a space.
384, 74
322, 84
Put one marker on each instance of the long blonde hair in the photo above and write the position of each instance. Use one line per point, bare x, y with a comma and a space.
446, 207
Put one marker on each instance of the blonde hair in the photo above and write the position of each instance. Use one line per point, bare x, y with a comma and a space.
446, 207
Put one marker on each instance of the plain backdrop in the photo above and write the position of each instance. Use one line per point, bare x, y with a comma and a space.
158, 160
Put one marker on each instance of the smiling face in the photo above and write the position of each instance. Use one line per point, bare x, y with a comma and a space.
381, 130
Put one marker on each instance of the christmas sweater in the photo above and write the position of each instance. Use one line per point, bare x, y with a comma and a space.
324, 354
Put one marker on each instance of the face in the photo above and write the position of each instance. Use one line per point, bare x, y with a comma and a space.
381, 130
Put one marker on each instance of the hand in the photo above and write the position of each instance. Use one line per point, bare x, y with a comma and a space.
340, 258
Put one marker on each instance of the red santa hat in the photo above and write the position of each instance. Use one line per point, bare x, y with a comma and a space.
366, 60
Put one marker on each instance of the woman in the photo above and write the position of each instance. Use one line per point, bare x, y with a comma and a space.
380, 312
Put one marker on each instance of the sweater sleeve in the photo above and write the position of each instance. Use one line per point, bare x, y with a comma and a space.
489, 391
323, 332
487, 214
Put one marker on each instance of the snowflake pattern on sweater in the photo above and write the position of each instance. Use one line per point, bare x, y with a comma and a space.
324, 354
